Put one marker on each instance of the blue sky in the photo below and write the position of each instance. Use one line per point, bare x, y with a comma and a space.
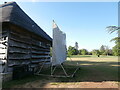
83, 22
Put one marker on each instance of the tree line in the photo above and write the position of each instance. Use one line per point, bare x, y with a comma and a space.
104, 50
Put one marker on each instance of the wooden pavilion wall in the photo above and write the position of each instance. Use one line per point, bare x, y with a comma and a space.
26, 48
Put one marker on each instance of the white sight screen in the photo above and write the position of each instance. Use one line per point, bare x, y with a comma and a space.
59, 46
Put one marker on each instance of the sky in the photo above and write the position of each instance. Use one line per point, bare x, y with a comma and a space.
83, 22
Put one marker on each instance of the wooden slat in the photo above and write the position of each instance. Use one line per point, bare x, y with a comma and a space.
39, 49
38, 65
18, 49
33, 56
16, 55
19, 58
17, 40
15, 64
22, 47
18, 44
18, 62
34, 65
3, 31
21, 52
19, 31
35, 37
20, 35
40, 60
38, 44
39, 52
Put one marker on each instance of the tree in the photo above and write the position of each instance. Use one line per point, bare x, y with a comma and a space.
90, 53
107, 50
116, 48
76, 52
80, 52
72, 51
102, 49
110, 52
112, 29
84, 52
95, 52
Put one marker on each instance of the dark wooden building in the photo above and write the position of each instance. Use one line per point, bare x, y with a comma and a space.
22, 41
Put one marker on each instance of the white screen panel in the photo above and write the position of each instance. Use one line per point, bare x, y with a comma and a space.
59, 46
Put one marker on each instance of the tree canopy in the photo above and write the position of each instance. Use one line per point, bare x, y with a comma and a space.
116, 48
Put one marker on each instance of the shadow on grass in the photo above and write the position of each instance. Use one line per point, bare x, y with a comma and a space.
89, 72
94, 72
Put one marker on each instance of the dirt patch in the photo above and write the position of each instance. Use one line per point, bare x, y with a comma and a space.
84, 85
43, 84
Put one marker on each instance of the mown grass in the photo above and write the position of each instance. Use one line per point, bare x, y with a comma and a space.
81, 56
92, 69
78, 56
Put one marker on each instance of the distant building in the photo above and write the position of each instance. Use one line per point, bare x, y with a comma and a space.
76, 45
23, 42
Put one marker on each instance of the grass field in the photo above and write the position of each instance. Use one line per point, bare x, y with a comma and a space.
95, 72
